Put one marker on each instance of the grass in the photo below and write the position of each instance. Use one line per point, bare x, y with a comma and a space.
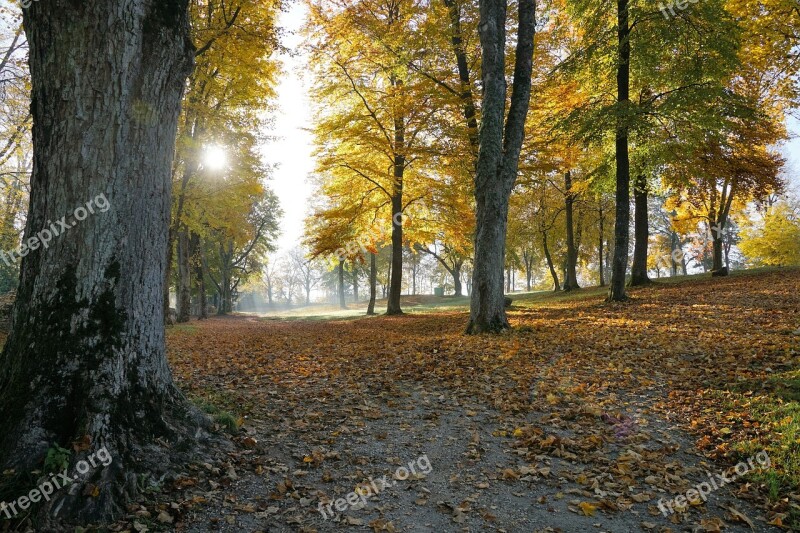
228, 421
775, 405
427, 304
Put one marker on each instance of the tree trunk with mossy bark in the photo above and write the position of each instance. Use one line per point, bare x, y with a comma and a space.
86, 358
498, 156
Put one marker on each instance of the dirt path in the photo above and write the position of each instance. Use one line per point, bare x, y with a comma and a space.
469, 476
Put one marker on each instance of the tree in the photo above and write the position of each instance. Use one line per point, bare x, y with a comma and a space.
666, 74
240, 246
217, 135
371, 127
734, 165
775, 240
85, 361
619, 266
308, 270
501, 139
571, 277
15, 150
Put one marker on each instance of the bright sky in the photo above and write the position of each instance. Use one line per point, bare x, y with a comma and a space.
792, 154
292, 151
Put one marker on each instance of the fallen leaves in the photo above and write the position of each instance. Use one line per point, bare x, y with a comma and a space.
579, 383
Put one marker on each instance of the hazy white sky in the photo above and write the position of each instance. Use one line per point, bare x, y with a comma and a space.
292, 152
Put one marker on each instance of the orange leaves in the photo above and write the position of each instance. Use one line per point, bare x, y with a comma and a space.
578, 383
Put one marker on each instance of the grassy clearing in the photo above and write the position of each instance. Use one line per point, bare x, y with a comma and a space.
773, 404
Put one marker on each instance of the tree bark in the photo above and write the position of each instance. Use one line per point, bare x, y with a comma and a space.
674, 247
198, 257
86, 359
373, 283
168, 278
498, 156
191, 125
571, 281
414, 266
641, 225
549, 259
396, 282
225, 287
527, 257
600, 243
619, 267
355, 283
719, 221
342, 302
462, 64
456, 272
717, 265
184, 278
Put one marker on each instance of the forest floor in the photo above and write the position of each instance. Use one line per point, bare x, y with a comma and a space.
585, 418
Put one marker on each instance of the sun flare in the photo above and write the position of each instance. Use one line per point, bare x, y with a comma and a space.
215, 158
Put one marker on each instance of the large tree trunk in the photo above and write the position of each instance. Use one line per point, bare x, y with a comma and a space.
619, 266
184, 278
85, 361
373, 283
571, 277
498, 157
641, 225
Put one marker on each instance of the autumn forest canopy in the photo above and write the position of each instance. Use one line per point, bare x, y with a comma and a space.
548, 266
